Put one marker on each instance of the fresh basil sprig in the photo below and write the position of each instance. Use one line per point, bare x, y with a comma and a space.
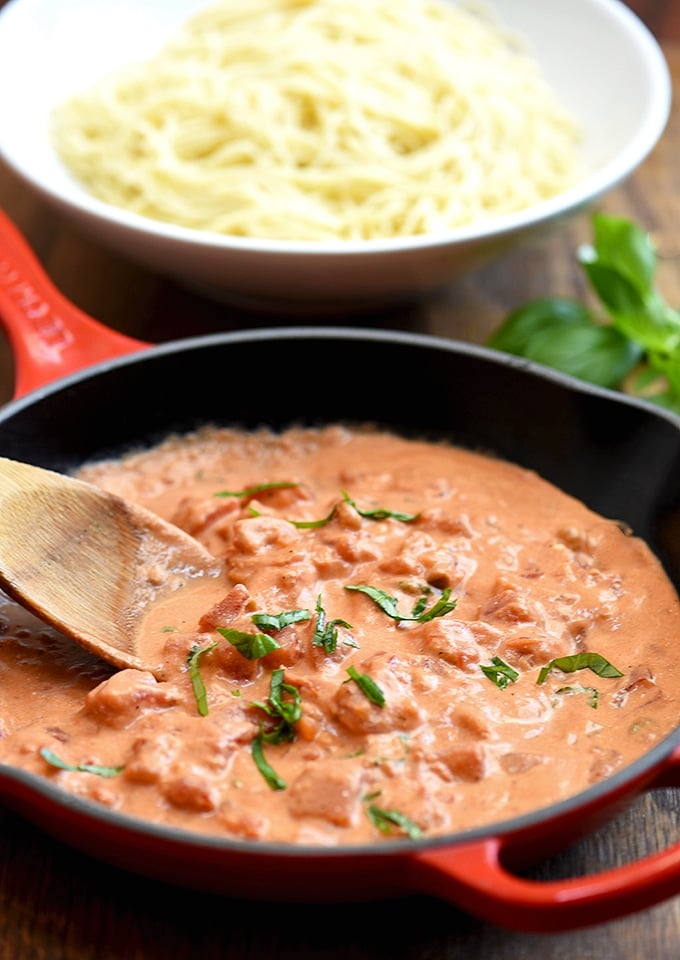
637, 330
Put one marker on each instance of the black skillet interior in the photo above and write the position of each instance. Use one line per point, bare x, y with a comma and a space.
621, 457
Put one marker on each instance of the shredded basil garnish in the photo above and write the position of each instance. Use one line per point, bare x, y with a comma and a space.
388, 604
289, 711
367, 686
99, 771
385, 820
312, 524
197, 684
380, 513
268, 772
253, 646
326, 632
277, 621
257, 488
499, 672
580, 661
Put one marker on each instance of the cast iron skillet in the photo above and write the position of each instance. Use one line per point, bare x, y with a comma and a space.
83, 391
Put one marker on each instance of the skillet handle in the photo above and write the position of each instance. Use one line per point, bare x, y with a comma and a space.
50, 337
473, 877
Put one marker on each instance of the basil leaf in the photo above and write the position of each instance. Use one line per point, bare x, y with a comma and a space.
99, 771
380, 513
669, 367
597, 354
253, 646
197, 684
516, 334
625, 247
257, 488
268, 772
277, 621
368, 687
499, 672
288, 710
385, 820
314, 524
614, 289
580, 661
639, 327
388, 604
439, 609
326, 632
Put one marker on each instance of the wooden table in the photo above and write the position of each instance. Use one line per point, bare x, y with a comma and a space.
56, 904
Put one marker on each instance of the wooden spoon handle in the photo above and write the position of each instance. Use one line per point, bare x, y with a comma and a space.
50, 336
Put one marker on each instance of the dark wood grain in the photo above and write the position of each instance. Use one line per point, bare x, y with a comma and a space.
57, 904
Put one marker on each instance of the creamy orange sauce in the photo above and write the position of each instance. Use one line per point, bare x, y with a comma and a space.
423, 720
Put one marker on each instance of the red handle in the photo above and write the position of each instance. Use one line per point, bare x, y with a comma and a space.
50, 337
474, 878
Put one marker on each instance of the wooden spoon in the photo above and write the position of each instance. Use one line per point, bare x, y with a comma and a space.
88, 562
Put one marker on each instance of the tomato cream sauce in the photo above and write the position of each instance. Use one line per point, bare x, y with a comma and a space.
378, 658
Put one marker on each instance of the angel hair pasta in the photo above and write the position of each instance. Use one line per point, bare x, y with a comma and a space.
325, 120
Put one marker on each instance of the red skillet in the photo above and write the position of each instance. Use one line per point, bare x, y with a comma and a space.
83, 391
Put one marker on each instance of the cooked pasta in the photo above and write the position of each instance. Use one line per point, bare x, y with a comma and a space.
325, 120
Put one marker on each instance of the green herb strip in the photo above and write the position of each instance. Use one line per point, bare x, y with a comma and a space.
277, 621
99, 771
289, 710
257, 488
380, 513
368, 687
499, 673
388, 604
326, 632
580, 661
268, 772
386, 820
200, 693
314, 524
253, 646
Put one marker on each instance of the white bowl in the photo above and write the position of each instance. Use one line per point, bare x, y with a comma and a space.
603, 63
